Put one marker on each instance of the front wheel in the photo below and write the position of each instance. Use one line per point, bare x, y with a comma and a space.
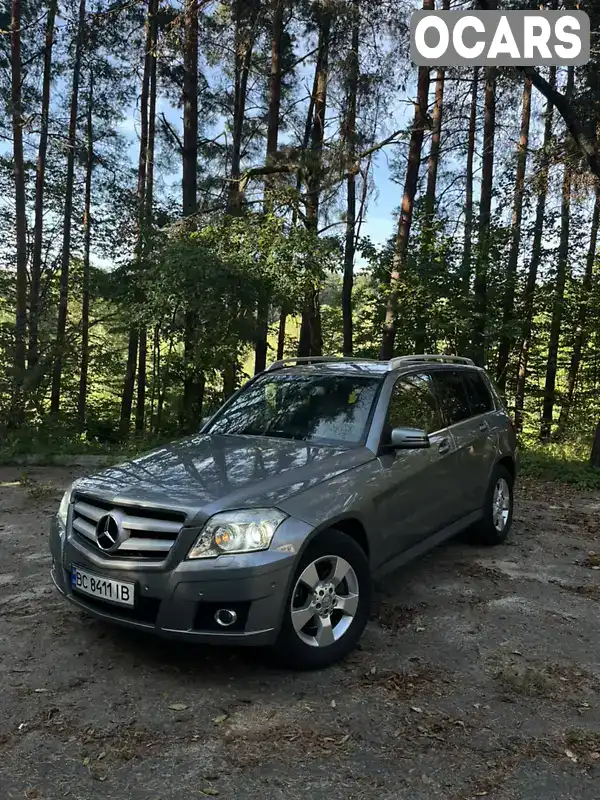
495, 524
328, 606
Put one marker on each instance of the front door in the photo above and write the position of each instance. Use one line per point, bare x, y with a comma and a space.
416, 487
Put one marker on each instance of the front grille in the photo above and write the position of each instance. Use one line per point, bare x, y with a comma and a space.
150, 533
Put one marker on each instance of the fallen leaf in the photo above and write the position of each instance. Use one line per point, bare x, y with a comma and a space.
416, 709
210, 792
86, 761
345, 738
220, 719
39, 691
178, 706
333, 704
570, 754
102, 755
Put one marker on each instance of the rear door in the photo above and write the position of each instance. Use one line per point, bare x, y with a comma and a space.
468, 407
416, 488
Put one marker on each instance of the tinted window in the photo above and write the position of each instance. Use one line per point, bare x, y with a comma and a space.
453, 396
478, 393
327, 408
413, 405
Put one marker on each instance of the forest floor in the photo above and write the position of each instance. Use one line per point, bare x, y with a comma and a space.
478, 676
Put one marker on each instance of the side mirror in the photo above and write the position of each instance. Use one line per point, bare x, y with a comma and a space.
408, 439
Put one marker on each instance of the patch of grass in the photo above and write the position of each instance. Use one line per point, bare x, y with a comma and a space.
560, 463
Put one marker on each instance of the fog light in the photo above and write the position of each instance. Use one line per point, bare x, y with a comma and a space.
225, 617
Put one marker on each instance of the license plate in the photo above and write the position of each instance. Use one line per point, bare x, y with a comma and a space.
103, 588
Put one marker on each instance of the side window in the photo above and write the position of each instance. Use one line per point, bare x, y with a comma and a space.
453, 396
478, 393
413, 404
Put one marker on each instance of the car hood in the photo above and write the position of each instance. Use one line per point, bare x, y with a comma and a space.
209, 473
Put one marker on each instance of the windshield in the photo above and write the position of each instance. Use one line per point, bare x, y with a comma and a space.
319, 408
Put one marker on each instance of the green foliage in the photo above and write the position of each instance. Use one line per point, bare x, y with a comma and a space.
562, 463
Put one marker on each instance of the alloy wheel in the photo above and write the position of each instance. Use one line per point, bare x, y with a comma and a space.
325, 601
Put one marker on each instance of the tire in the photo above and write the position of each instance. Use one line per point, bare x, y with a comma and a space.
495, 525
315, 630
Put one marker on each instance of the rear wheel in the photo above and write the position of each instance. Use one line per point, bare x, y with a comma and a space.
495, 525
327, 609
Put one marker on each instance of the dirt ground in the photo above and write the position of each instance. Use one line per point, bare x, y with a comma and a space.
478, 676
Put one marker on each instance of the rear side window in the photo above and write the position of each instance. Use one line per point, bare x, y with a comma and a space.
452, 392
478, 393
413, 404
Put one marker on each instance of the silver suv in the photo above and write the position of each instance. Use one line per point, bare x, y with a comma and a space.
269, 526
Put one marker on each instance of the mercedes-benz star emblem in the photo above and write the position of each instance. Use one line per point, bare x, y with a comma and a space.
107, 533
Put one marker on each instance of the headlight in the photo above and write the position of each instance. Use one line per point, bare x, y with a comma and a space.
237, 532
63, 508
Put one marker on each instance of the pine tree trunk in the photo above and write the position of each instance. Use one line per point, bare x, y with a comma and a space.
406, 211
508, 305
559, 291
311, 338
146, 192
245, 12
87, 237
140, 412
428, 234
262, 313
18, 410
193, 383
466, 269
281, 334
40, 185
127, 396
595, 454
66, 244
534, 263
581, 331
485, 215
350, 238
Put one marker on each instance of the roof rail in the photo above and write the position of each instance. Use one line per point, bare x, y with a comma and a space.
401, 360
318, 359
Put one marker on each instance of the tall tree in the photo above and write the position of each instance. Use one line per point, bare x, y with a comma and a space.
262, 315
40, 185
137, 337
485, 218
406, 210
311, 337
146, 197
508, 305
353, 67
21, 224
466, 267
581, 330
67, 218
245, 14
87, 238
428, 233
559, 288
535, 261
193, 385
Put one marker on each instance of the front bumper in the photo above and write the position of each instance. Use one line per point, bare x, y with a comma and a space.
178, 598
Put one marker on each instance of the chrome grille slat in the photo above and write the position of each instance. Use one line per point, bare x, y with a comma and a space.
150, 545
150, 537
86, 528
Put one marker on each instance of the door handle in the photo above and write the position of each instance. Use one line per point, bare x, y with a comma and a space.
444, 447
484, 426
